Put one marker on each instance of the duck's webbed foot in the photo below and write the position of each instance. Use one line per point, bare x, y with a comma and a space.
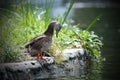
40, 56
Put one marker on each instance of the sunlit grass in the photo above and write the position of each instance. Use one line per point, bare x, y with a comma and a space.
18, 27
27, 21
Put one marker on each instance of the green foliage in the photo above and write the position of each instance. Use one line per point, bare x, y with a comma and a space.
73, 37
25, 21
18, 26
91, 42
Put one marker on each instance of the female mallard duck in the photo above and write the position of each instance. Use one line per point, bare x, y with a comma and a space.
42, 42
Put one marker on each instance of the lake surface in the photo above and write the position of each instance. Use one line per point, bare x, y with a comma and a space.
107, 27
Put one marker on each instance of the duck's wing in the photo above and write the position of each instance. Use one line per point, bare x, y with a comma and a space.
32, 41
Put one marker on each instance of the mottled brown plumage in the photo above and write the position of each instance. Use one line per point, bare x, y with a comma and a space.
42, 42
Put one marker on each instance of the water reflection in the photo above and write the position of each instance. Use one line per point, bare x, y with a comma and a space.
89, 71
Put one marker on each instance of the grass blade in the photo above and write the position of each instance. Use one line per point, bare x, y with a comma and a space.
93, 22
68, 11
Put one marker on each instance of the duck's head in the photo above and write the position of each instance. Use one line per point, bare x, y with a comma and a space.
53, 25
58, 27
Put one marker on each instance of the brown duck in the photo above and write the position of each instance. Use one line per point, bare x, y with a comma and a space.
42, 42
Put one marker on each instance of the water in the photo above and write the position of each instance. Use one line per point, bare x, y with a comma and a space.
108, 27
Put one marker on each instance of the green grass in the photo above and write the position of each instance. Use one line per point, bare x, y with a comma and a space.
78, 38
25, 21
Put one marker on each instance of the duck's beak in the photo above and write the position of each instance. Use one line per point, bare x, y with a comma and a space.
57, 34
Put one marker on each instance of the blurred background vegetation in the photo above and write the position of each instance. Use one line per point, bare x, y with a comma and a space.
21, 22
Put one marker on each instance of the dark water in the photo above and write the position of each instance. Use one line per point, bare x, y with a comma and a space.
107, 27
